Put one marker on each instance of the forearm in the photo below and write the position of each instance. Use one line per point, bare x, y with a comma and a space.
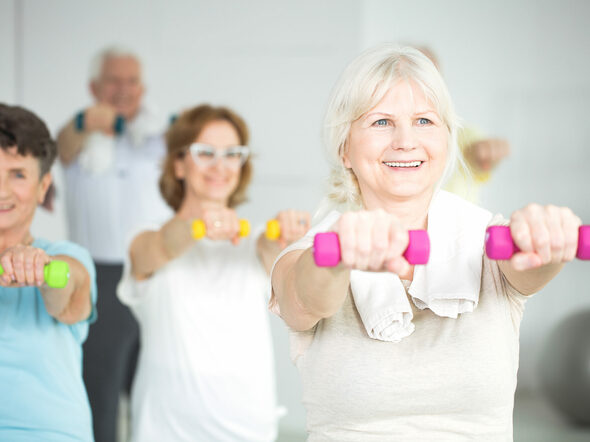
176, 237
307, 293
69, 143
267, 252
151, 250
530, 281
72, 303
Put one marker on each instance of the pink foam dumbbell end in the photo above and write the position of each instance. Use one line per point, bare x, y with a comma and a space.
499, 243
418, 250
584, 242
326, 248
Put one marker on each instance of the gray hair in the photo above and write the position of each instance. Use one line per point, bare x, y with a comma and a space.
364, 82
104, 54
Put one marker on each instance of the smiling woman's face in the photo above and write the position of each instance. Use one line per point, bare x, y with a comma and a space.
21, 190
398, 149
215, 182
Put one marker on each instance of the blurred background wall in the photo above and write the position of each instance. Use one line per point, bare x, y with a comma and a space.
516, 69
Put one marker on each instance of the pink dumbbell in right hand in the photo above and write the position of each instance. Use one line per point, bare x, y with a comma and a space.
499, 243
326, 248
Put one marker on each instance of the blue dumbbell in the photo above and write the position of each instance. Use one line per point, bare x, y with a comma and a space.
118, 124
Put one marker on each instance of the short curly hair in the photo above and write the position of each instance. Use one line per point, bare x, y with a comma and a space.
183, 132
24, 130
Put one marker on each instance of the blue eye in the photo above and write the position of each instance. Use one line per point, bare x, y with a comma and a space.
423, 121
381, 123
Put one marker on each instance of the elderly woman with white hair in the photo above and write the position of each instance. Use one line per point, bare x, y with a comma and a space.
391, 351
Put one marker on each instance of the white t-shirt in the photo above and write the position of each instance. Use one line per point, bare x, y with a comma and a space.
103, 208
450, 380
206, 366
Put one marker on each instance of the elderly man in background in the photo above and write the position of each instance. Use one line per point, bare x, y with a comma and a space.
111, 153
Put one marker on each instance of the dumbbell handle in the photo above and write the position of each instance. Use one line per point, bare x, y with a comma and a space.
326, 248
80, 123
500, 245
273, 229
56, 274
199, 230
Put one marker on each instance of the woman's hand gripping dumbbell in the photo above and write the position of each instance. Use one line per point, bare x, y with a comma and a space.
539, 235
56, 274
199, 229
286, 227
374, 241
500, 245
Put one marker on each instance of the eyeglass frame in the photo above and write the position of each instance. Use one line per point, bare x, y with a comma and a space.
244, 152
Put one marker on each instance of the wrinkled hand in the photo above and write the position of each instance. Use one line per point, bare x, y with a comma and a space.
485, 155
372, 240
100, 117
222, 224
294, 224
544, 234
23, 266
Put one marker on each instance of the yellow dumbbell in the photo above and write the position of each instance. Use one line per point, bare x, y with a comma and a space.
273, 230
199, 230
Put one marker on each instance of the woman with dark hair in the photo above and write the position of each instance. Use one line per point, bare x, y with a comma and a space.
206, 369
42, 328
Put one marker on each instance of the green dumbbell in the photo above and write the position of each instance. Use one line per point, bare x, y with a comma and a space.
57, 274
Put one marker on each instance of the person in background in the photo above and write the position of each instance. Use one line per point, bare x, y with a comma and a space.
42, 328
111, 153
481, 154
388, 350
206, 368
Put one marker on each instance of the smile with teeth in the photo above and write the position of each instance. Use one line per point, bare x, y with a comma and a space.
403, 164
5, 206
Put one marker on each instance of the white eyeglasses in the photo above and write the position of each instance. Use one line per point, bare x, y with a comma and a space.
206, 155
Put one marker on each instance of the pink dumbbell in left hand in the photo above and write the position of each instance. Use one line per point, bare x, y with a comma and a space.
499, 243
326, 248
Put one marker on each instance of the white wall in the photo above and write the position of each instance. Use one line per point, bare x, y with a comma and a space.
7, 51
517, 69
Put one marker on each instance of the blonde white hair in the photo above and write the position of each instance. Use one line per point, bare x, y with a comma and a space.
362, 85
97, 62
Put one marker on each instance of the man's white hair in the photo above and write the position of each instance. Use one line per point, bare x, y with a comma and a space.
114, 51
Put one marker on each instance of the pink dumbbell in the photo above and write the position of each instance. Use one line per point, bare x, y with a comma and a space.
499, 243
326, 248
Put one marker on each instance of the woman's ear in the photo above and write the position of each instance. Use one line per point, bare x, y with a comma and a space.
346, 162
344, 155
94, 89
44, 184
179, 168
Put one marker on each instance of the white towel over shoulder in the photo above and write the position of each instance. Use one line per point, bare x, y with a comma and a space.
383, 306
448, 285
